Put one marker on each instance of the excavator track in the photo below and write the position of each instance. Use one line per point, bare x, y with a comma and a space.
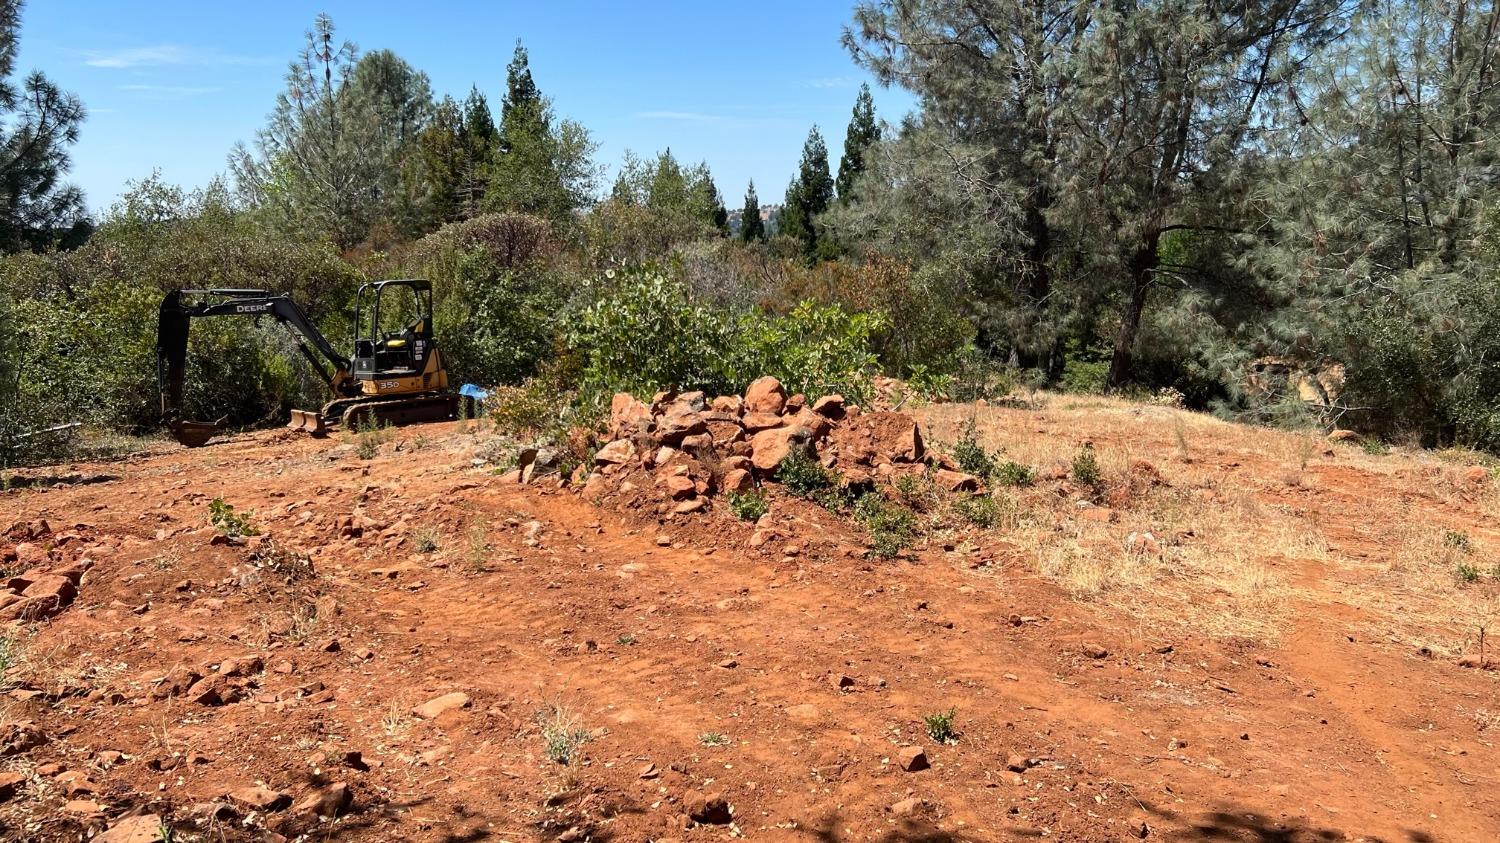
399, 411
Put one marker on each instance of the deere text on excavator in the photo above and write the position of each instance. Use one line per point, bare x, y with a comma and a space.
394, 376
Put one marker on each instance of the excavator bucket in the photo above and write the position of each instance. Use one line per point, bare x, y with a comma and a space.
194, 434
310, 421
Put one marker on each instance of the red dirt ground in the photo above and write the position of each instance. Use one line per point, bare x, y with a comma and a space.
652, 635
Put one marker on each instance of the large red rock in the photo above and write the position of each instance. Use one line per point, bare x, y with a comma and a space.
765, 395
440, 705
955, 481
829, 406
756, 422
327, 801
679, 487
770, 447
874, 438
725, 432
52, 585
627, 416
818, 424
141, 828
617, 452
738, 480
258, 798
678, 424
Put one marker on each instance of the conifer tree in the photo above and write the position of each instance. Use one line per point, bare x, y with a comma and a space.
478, 144
752, 227
862, 134
808, 195
38, 123
537, 165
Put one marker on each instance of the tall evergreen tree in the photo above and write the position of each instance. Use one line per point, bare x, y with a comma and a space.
478, 142
38, 123
440, 150
337, 152
538, 166
863, 132
809, 194
752, 227
718, 215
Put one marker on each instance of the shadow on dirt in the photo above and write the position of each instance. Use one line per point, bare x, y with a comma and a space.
1239, 826
910, 831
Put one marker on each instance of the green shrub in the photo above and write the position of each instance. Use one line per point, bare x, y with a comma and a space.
917, 491
1013, 474
891, 527
802, 475
970, 455
1086, 467
649, 332
979, 510
748, 506
1085, 369
815, 350
1467, 573
1457, 540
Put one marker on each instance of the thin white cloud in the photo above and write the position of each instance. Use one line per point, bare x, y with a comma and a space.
833, 82
689, 116
170, 91
158, 55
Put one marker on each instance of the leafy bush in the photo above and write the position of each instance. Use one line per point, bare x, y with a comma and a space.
979, 510
814, 349
940, 725
1086, 467
748, 506
1085, 370
917, 491
1013, 474
891, 527
649, 332
804, 476
970, 455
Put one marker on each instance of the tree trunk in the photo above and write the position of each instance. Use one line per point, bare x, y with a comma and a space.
1142, 271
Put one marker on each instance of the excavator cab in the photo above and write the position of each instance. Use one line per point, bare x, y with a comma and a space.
392, 330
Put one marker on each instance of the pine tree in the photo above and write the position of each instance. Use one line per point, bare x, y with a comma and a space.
479, 137
718, 214
38, 123
521, 93
1092, 132
752, 227
440, 149
536, 165
809, 194
863, 133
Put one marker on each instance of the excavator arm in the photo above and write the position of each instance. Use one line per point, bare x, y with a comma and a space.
176, 317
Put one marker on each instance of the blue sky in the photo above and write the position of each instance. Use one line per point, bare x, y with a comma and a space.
173, 85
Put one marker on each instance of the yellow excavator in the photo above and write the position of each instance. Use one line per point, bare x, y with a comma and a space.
394, 376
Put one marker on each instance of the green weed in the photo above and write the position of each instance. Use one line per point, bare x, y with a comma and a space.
223, 517
748, 506
940, 725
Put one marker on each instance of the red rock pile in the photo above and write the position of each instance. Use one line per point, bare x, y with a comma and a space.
48, 585
689, 447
